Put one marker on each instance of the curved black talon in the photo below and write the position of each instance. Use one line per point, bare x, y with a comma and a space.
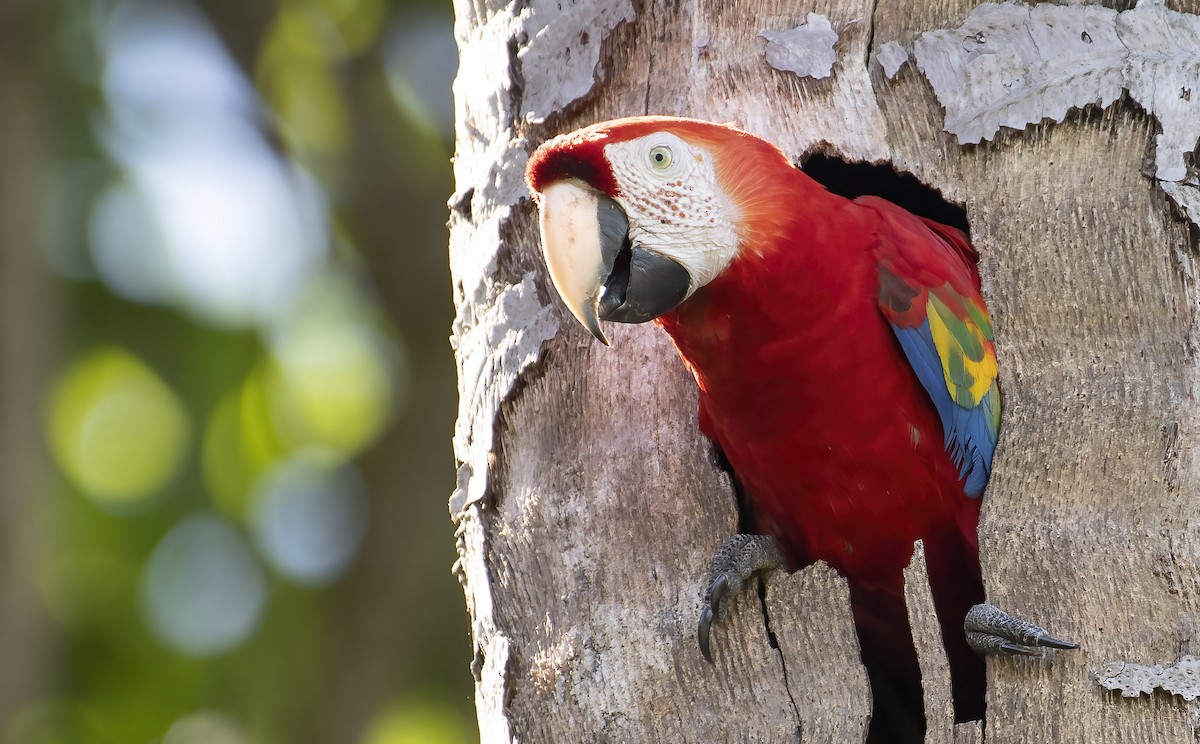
1049, 642
716, 594
706, 618
1013, 649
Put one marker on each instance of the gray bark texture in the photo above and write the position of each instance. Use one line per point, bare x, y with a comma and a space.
589, 504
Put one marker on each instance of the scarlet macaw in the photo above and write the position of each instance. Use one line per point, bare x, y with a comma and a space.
845, 361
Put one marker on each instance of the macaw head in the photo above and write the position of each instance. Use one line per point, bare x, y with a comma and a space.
637, 214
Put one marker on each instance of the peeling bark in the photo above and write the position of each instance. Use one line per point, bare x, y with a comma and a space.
806, 50
892, 57
1012, 65
1181, 678
589, 504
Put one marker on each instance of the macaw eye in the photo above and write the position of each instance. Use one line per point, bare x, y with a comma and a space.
660, 157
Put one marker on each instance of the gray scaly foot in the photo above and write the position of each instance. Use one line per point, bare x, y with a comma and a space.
991, 630
739, 559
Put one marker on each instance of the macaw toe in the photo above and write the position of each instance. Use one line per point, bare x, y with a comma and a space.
739, 559
991, 630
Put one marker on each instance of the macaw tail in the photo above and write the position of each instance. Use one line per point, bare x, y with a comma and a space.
885, 638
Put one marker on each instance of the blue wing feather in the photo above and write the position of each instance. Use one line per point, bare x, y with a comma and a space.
970, 432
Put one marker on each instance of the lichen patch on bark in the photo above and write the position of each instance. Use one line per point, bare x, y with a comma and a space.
1011, 65
1181, 678
806, 50
891, 58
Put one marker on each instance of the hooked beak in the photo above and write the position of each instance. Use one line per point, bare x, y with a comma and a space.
597, 271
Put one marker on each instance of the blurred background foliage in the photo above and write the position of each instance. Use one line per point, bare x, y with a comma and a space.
226, 392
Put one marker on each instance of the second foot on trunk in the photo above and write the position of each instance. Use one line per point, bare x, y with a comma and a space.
739, 559
991, 630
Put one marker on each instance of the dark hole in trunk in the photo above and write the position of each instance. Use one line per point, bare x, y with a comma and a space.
859, 179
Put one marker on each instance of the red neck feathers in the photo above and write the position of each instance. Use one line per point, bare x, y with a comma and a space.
804, 265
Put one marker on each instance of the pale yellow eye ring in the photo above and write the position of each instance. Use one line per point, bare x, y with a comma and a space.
661, 157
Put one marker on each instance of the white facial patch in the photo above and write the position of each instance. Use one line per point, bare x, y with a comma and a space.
676, 207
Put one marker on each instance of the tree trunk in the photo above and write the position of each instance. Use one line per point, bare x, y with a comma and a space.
27, 329
589, 504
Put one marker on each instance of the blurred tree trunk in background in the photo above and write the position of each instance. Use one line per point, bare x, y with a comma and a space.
388, 625
589, 505
399, 617
28, 331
